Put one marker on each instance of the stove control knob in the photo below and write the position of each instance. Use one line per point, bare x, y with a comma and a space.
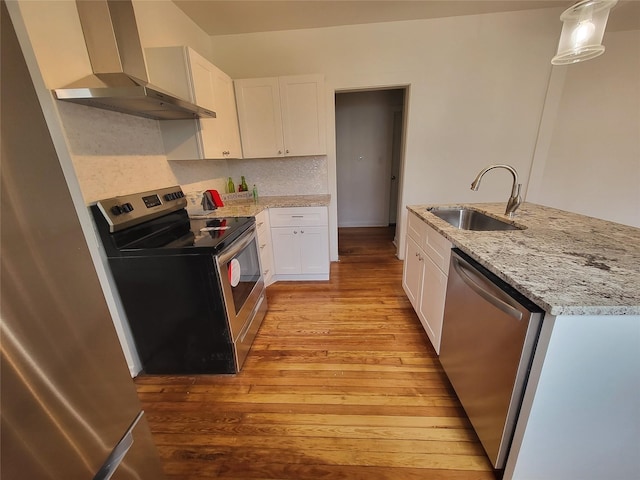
127, 207
169, 196
116, 209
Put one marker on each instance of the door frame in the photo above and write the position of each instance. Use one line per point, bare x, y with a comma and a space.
333, 182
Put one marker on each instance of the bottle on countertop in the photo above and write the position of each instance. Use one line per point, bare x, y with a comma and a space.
255, 193
230, 187
243, 185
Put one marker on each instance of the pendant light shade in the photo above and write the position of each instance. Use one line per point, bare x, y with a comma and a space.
582, 31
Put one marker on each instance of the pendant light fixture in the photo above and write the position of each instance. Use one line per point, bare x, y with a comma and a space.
582, 31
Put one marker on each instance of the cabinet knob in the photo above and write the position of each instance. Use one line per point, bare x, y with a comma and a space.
301, 231
286, 151
295, 232
279, 152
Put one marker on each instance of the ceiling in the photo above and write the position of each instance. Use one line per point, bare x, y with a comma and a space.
228, 17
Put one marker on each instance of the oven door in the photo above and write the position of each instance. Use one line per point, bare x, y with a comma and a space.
242, 281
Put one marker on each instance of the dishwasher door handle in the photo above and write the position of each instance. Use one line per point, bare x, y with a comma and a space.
462, 268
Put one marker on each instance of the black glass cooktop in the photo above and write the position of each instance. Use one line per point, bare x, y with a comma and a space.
176, 233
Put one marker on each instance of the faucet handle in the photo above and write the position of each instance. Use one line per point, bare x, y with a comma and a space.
515, 200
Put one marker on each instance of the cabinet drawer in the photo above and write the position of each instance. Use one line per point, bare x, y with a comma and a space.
416, 228
437, 248
298, 216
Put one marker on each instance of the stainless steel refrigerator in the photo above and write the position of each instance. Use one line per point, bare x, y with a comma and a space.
67, 397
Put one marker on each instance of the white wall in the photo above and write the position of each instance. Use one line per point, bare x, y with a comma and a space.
476, 90
588, 155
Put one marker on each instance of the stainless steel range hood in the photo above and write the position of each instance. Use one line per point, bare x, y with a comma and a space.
120, 81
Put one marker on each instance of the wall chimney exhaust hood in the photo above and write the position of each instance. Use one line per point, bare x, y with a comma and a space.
119, 81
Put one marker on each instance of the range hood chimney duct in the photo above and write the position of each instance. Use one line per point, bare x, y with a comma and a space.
119, 81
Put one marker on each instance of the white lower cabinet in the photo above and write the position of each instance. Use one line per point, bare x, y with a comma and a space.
425, 275
413, 273
263, 231
431, 306
300, 241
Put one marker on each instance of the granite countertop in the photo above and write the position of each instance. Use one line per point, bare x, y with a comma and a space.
568, 264
249, 208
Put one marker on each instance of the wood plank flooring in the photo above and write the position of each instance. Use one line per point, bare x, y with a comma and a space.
341, 383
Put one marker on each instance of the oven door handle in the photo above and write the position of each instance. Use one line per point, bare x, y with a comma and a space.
237, 246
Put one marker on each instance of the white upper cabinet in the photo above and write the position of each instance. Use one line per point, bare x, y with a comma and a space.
184, 72
282, 117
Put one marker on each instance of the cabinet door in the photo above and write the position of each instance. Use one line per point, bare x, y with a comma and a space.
231, 129
412, 272
208, 89
220, 135
202, 80
431, 308
303, 115
187, 74
314, 249
286, 250
258, 102
202, 87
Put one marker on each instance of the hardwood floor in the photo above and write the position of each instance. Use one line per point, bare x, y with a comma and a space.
341, 383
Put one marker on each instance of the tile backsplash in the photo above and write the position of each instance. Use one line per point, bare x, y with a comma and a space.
272, 176
117, 154
283, 176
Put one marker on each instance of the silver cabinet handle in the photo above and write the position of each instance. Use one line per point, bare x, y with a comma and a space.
459, 266
297, 216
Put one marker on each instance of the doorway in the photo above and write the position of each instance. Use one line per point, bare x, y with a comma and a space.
369, 135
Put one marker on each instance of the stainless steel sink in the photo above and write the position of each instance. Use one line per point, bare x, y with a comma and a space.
468, 219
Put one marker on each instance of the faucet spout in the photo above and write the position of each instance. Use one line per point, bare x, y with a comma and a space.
514, 199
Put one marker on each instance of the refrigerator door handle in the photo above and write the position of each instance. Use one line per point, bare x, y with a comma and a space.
118, 453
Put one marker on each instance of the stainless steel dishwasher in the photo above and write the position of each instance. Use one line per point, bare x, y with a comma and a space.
488, 338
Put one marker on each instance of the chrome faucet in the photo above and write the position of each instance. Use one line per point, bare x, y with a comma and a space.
515, 199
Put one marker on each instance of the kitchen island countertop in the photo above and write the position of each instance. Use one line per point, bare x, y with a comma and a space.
566, 263
249, 208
